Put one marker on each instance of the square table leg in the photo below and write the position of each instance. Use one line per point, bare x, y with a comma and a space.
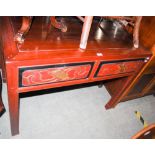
13, 97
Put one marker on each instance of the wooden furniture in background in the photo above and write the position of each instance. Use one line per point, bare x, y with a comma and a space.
144, 83
27, 20
24, 29
26, 24
131, 24
146, 133
56, 61
59, 25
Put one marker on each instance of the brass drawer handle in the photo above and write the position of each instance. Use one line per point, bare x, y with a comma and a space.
61, 74
122, 68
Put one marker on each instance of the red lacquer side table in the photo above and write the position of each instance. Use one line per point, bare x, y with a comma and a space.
40, 64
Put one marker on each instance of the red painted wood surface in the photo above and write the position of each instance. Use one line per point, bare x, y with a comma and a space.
117, 68
132, 66
50, 75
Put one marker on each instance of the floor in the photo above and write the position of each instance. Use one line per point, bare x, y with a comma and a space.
77, 113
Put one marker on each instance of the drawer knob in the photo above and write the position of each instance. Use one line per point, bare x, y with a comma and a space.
61, 74
122, 68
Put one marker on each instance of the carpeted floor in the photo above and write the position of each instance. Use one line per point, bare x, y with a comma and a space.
76, 113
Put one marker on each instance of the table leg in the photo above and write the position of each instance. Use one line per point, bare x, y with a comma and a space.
117, 97
13, 97
100, 85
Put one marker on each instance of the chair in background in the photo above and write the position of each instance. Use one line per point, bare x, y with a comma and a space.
131, 24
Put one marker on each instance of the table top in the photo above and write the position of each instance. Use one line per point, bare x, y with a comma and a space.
108, 35
107, 41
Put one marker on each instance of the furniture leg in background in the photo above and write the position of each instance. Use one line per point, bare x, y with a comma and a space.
26, 24
85, 31
136, 31
59, 25
133, 22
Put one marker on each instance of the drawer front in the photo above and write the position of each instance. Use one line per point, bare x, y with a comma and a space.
112, 68
53, 74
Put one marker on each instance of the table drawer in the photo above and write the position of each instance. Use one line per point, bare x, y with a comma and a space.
112, 68
30, 76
